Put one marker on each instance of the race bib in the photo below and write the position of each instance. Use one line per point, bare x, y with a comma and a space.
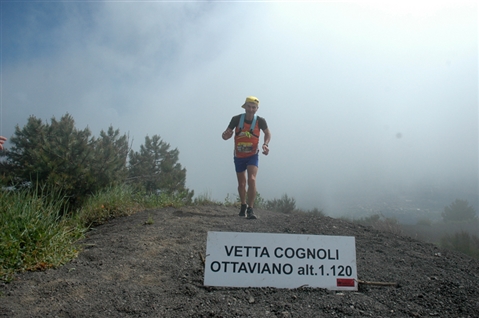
244, 147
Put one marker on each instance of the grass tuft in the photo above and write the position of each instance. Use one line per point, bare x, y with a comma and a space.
37, 232
33, 233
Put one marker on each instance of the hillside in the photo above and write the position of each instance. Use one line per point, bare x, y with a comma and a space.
148, 265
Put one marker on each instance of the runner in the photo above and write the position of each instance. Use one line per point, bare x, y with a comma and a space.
247, 128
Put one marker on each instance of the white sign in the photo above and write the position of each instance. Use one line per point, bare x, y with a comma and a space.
280, 260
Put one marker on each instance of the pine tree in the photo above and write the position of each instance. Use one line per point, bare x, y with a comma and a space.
155, 168
110, 158
59, 156
459, 210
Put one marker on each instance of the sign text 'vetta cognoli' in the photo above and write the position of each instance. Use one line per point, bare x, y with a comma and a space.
280, 260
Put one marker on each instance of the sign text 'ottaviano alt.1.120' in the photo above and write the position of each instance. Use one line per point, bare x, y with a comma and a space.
280, 260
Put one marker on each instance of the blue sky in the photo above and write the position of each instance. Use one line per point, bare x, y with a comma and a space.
364, 98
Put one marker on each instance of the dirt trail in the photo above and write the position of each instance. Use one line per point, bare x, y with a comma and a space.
132, 267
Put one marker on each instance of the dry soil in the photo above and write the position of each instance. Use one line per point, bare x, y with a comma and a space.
149, 265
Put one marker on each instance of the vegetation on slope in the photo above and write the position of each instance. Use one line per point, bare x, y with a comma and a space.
58, 181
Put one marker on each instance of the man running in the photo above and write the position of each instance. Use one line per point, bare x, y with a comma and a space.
247, 128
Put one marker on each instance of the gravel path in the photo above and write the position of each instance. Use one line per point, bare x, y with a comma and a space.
149, 265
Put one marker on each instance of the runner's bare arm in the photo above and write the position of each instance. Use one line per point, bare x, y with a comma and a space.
267, 138
227, 134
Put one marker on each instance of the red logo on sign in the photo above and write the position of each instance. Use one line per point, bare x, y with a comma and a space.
345, 282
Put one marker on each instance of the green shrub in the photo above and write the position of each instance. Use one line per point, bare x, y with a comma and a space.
381, 223
259, 202
111, 202
123, 200
369, 220
33, 233
462, 242
316, 212
389, 225
424, 221
203, 199
283, 205
458, 211
228, 201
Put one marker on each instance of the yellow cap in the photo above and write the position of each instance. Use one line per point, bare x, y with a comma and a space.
251, 99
